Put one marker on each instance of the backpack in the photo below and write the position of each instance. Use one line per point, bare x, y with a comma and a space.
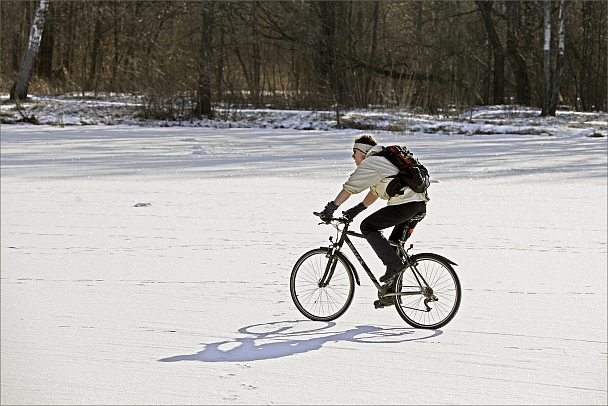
411, 172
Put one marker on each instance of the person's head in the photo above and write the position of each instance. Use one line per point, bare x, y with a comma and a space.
363, 144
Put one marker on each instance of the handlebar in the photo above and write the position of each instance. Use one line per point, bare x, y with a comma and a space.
342, 220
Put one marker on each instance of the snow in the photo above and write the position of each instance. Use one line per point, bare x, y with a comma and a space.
148, 264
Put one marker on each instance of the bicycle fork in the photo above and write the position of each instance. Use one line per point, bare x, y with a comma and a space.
331, 266
332, 255
333, 261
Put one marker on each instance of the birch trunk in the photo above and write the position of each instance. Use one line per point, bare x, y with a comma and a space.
559, 66
19, 88
547, 58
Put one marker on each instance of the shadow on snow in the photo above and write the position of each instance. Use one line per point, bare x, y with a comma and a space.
286, 338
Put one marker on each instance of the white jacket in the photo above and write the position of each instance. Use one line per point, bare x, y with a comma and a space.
374, 173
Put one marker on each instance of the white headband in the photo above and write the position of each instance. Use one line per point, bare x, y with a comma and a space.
363, 147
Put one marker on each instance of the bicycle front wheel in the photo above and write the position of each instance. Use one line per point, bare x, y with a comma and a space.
428, 292
319, 296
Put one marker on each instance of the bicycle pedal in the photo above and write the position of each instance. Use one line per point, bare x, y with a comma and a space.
379, 304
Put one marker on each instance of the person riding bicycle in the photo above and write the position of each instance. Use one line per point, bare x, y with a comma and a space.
374, 173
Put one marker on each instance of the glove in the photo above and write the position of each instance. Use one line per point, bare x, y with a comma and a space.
353, 211
328, 212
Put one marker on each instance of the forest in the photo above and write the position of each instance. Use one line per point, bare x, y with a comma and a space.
422, 56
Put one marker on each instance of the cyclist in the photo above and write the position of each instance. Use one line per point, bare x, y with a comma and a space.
375, 173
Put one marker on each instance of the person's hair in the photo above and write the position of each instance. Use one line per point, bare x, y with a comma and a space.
366, 139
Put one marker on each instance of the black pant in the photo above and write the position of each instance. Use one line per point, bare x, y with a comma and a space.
387, 217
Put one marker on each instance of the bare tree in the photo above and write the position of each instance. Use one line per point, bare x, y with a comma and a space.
96, 51
517, 60
44, 64
588, 56
203, 95
552, 83
547, 56
426, 55
19, 89
329, 64
485, 9
559, 65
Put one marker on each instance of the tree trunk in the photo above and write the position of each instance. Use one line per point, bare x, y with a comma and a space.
19, 88
70, 35
547, 57
95, 55
203, 96
219, 63
329, 74
256, 79
47, 45
518, 62
116, 51
372, 55
557, 77
485, 9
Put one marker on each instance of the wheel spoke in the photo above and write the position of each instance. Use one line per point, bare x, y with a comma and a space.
445, 286
321, 303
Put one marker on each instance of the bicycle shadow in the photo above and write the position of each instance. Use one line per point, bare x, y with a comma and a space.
286, 338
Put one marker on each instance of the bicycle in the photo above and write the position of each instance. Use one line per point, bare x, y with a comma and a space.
426, 293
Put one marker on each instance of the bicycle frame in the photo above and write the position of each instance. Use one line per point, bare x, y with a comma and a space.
337, 246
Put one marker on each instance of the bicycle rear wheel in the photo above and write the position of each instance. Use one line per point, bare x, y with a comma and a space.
314, 299
422, 307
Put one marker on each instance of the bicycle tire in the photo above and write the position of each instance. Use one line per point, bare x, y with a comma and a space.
442, 278
321, 303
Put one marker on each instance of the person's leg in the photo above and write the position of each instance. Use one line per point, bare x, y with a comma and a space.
397, 232
387, 217
399, 229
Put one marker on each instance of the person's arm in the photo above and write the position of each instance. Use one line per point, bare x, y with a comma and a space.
364, 178
342, 197
367, 201
345, 194
370, 199
327, 213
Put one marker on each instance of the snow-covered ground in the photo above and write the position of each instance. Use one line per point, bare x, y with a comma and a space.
150, 265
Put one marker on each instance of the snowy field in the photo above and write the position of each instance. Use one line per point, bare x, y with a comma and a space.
148, 265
